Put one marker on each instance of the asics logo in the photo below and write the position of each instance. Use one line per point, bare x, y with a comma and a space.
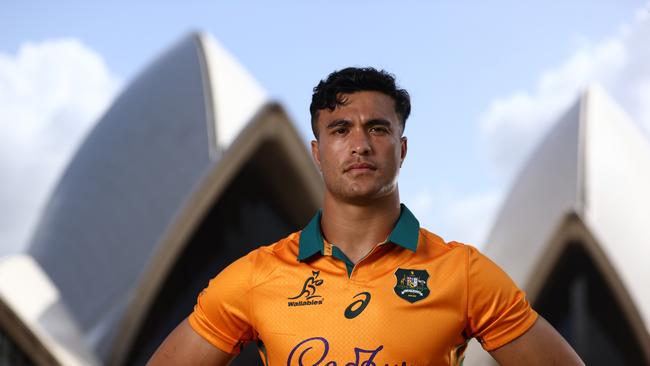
353, 310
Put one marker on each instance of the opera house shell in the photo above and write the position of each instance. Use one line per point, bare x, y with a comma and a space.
192, 167
189, 169
574, 232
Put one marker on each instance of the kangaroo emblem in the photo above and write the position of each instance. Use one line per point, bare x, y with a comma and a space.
309, 287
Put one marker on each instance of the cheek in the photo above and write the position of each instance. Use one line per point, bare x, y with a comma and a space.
329, 153
393, 151
326, 162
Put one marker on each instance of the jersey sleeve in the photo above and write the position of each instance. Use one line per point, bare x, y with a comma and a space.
222, 314
497, 309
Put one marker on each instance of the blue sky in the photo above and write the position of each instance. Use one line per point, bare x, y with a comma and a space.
486, 79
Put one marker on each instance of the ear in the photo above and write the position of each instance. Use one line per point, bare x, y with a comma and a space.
315, 153
403, 149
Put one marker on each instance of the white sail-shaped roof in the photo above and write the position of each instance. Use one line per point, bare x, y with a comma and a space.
587, 181
136, 189
235, 96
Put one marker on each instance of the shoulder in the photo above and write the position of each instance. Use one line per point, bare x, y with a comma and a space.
435, 245
283, 249
261, 262
458, 255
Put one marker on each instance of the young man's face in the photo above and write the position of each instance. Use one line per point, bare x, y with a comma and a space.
359, 148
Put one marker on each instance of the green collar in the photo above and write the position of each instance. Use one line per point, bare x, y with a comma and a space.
405, 234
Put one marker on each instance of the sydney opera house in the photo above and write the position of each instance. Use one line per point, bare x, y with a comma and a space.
574, 232
193, 150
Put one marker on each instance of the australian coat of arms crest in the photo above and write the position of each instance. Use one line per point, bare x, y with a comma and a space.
411, 284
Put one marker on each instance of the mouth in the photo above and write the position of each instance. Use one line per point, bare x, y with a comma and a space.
360, 167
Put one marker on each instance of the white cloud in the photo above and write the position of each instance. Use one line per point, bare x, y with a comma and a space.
469, 219
50, 95
454, 217
422, 204
512, 125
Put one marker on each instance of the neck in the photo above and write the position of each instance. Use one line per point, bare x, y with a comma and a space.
356, 228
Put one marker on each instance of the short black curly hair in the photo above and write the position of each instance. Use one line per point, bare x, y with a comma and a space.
328, 92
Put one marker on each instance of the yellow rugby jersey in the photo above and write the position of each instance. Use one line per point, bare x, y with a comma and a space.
413, 300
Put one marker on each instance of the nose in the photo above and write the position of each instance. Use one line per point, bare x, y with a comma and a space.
361, 144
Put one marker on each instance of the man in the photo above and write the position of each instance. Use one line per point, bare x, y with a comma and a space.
362, 283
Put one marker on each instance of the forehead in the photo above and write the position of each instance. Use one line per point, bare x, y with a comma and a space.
363, 105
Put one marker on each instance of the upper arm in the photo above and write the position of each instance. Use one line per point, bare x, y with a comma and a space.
540, 345
219, 323
222, 314
497, 310
503, 321
183, 346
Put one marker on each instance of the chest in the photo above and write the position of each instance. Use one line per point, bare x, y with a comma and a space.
411, 314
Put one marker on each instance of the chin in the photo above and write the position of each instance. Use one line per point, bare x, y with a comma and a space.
368, 195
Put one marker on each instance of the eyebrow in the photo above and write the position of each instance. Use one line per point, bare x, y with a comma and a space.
338, 123
345, 123
378, 122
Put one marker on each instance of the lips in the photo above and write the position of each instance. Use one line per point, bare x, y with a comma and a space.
362, 166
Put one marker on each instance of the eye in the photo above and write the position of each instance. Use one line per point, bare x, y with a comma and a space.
379, 130
340, 131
